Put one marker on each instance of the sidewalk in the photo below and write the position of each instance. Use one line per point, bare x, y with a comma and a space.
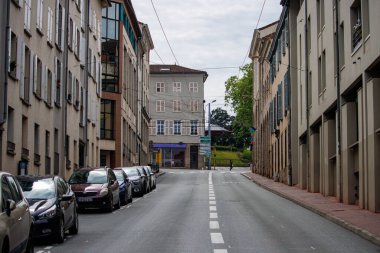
362, 222
160, 173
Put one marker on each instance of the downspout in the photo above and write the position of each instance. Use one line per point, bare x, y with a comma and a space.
3, 118
307, 102
338, 102
86, 63
290, 168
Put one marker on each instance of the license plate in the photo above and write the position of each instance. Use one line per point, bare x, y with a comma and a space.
81, 199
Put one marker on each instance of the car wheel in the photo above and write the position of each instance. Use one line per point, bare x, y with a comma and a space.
5, 248
75, 227
30, 244
110, 206
60, 234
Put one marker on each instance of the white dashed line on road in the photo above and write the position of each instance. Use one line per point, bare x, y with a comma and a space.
213, 215
212, 208
220, 251
214, 225
216, 238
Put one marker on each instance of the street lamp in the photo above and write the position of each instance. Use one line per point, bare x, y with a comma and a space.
209, 132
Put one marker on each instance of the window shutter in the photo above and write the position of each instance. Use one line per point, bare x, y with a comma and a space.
166, 127
43, 82
38, 23
287, 102
153, 127
56, 20
82, 14
82, 52
63, 28
34, 73
21, 69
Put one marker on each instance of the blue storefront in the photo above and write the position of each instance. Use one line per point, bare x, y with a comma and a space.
172, 154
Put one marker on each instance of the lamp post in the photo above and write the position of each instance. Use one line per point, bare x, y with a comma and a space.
209, 132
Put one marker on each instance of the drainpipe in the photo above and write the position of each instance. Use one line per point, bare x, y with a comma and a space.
307, 102
3, 117
338, 102
86, 63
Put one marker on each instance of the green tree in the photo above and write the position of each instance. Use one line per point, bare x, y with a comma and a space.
239, 96
221, 118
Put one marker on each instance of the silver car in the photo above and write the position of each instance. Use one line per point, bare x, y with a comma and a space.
15, 219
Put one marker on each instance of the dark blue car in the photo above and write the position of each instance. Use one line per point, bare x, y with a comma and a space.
125, 186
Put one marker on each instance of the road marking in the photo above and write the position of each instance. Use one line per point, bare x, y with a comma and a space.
212, 208
212, 202
311, 247
216, 238
211, 191
211, 198
213, 215
220, 251
214, 225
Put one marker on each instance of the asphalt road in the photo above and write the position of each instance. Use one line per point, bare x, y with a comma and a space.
198, 211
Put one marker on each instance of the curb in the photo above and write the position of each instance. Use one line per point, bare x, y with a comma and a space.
160, 174
357, 230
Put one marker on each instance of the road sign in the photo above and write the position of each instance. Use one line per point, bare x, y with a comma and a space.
205, 139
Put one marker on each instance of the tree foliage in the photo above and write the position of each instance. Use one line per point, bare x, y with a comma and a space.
221, 118
239, 96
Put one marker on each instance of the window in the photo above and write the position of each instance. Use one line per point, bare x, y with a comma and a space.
27, 74
36, 139
71, 42
47, 143
49, 86
193, 127
193, 87
176, 87
59, 25
194, 106
15, 189
176, 106
341, 46
177, 127
160, 106
50, 26
58, 71
160, 87
69, 87
107, 115
12, 67
77, 42
160, 127
27, 14
356, 24
40, 12
38, 85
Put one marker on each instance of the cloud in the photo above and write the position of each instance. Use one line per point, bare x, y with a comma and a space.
206, 34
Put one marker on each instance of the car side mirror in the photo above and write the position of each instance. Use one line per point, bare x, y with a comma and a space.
65, 197
11, 205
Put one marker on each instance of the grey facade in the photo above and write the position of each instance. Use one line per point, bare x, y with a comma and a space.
177, 116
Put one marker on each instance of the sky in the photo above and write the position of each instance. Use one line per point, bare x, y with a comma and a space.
209, 35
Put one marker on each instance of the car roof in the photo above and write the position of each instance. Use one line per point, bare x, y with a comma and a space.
91, 168
35, 177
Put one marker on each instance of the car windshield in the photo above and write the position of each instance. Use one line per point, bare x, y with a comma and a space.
119, 175
40, 189
131, 172
89, 177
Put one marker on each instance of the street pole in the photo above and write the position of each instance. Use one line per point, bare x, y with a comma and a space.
209, 133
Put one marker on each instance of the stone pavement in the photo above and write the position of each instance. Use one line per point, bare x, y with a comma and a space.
352, 217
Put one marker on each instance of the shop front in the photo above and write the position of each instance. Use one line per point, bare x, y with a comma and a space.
170, 155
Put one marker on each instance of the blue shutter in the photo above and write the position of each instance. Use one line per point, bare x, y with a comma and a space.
279, 101
286, 80
275, 114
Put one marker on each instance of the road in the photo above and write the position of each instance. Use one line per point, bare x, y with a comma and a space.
202, 211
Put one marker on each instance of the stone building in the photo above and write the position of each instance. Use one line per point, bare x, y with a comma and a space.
176, 110
50, 118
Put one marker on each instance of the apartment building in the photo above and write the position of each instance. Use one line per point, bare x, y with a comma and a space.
52, 84
176, 110
123, 48
338, 110
262, 99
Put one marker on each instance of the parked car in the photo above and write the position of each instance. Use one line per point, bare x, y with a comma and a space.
146, 178
95, 188
125, 186
134, 175
52, 205
16, 224
152, 177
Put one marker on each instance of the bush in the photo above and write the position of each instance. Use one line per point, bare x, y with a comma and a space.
247, 155
225, 148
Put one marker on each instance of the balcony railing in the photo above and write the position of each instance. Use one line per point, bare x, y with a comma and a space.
11, 148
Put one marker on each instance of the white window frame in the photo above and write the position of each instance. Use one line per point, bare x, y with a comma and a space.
40, 14
160, 105
160, 126
50, 26
194, 106
176, 106
193, 87
177, 87
160, 87
194, 125
27, 14
177, 127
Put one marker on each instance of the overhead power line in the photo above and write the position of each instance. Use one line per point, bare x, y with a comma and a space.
162, 28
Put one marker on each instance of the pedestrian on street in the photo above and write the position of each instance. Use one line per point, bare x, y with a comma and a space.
231, 165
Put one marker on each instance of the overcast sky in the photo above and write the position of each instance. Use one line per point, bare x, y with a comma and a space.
206, 34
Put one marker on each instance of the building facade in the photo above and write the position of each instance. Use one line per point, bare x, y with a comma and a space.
121, 134
338, 110
176, 110
262, 99
50, 126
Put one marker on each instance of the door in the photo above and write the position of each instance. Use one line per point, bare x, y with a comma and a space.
193, 157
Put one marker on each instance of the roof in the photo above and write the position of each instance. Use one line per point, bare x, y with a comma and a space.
175, 69
216, 128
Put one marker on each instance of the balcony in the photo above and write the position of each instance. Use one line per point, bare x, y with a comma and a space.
37, 159
25, 154
11, 148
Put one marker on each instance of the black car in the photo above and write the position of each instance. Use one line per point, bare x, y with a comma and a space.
146, 178
125, 186
52, 205
134, 175
152, 177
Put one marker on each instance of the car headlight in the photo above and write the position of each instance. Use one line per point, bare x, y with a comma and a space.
48, 213
103, 192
